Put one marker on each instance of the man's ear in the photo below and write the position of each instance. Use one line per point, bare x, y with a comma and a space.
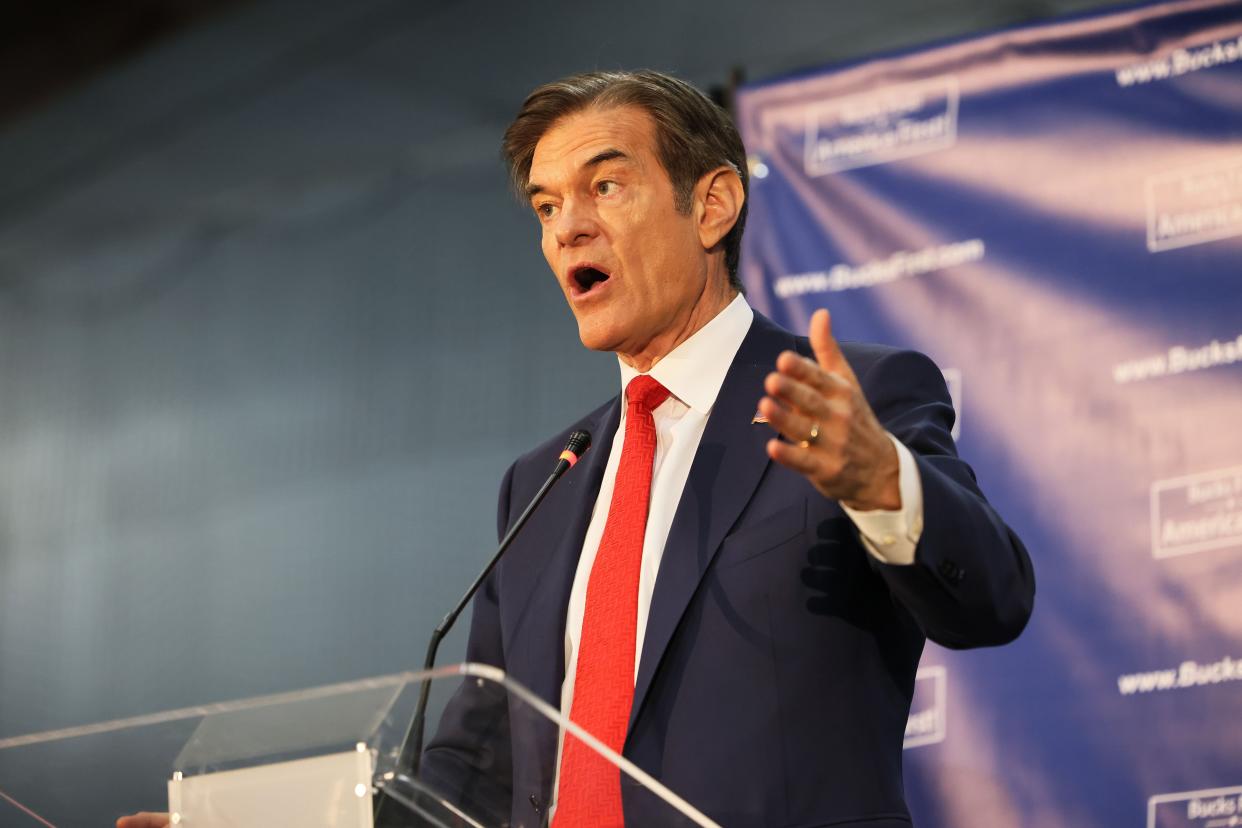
718, 202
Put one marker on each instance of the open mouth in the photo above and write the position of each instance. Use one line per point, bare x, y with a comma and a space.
585, 278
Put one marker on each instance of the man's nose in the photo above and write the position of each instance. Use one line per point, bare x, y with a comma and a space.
575, 224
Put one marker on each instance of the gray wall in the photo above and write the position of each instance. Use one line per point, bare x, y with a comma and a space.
271, 329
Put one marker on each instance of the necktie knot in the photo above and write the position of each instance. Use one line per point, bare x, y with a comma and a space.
645, 392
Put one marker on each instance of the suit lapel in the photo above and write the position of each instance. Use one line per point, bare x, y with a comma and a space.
538, 661
727, 468
545, 623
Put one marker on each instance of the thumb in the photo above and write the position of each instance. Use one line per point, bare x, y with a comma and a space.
827, 352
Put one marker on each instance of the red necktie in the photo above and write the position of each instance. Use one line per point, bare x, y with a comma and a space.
590, 788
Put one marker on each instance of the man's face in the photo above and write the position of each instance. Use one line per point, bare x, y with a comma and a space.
632, 267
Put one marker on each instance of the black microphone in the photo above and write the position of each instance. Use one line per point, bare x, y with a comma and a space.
412, 745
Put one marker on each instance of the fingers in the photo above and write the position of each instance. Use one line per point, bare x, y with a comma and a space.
822, 469
827, 352
803, 396
822, 398
796, 424
789, 424
808, 371
143, 819
815, 396
794, 457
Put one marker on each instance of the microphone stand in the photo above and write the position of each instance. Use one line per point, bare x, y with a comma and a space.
412, 745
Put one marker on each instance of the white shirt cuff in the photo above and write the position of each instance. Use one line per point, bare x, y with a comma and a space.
891, 536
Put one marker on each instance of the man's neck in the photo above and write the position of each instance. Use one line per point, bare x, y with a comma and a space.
704, 311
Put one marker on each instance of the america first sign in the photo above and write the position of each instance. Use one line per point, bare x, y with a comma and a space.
879, 126
1196, 513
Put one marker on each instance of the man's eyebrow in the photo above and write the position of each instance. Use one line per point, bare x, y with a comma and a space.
607, 155
531, 190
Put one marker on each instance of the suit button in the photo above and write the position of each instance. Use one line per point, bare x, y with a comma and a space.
951, 572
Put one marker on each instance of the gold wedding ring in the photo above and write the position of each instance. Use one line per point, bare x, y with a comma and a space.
812, 437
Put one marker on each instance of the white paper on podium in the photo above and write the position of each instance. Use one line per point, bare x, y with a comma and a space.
330, 790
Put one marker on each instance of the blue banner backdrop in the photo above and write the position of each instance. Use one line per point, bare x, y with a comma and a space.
1054, 214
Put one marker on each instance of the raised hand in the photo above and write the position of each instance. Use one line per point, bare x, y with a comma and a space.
834, 438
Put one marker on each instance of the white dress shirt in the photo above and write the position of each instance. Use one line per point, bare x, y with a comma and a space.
693, 372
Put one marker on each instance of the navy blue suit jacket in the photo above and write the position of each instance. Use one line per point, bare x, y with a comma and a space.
778, 665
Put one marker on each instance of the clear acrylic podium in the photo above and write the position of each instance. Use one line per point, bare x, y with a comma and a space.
318, 758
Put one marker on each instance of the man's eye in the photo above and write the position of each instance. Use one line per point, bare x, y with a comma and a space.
606, 187
546, 209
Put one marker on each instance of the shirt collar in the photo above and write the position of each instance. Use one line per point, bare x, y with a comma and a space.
694, 371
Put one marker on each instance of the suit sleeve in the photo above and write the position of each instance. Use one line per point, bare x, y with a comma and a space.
972, 583
469, 760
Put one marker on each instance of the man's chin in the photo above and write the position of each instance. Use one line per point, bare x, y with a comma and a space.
597, 337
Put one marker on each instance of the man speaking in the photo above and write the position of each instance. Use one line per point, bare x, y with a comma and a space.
734, 586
